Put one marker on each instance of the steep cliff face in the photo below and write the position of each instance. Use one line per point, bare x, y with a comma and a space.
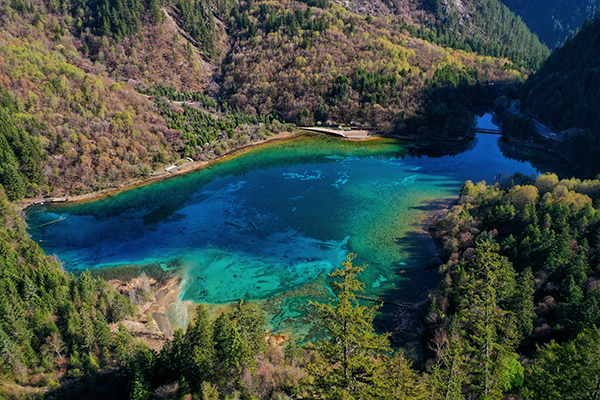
415, 11
375, 8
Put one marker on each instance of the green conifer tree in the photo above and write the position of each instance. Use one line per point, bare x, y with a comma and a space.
347, 365
199, 349
250, 322
490, 333
231, 354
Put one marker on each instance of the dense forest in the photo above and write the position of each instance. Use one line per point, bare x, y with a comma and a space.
348, 68
91, 130
487, 27
21, 157
517, 308
554, 21
564, 94
51, 321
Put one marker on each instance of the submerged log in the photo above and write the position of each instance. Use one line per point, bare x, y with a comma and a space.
230, 222
49, 223
404, 305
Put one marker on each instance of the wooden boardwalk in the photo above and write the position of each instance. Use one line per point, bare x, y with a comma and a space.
362, 134
490, 131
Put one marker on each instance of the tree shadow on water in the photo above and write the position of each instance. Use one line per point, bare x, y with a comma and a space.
450, 108
404, 306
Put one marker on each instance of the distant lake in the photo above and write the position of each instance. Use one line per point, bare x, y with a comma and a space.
271, 222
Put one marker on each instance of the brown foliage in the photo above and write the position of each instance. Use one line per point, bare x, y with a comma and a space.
97, 131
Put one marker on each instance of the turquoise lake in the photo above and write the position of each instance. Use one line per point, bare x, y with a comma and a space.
270, 223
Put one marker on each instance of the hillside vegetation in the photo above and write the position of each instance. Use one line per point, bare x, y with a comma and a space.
315, 65
92, 131
565, 92
20, 157
518, 303
554, 21
113, 91
50, 320
487, 27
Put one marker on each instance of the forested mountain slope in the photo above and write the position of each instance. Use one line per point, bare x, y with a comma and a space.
518, 303
487, 27
81, 114
327, 64
92, 131
112, 91
49, 319
565, 93
553, 20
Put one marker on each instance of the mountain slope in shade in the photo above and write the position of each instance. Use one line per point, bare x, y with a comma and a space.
553, 20
565, 94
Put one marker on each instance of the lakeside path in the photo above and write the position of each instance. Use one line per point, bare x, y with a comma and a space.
193, 166
541, 129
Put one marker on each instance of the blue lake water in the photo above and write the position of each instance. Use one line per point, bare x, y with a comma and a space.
271, 222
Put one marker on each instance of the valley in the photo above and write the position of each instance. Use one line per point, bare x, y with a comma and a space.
254, 199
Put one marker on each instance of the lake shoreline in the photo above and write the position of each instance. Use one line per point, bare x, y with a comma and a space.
134, 183
171, 312
196, 165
